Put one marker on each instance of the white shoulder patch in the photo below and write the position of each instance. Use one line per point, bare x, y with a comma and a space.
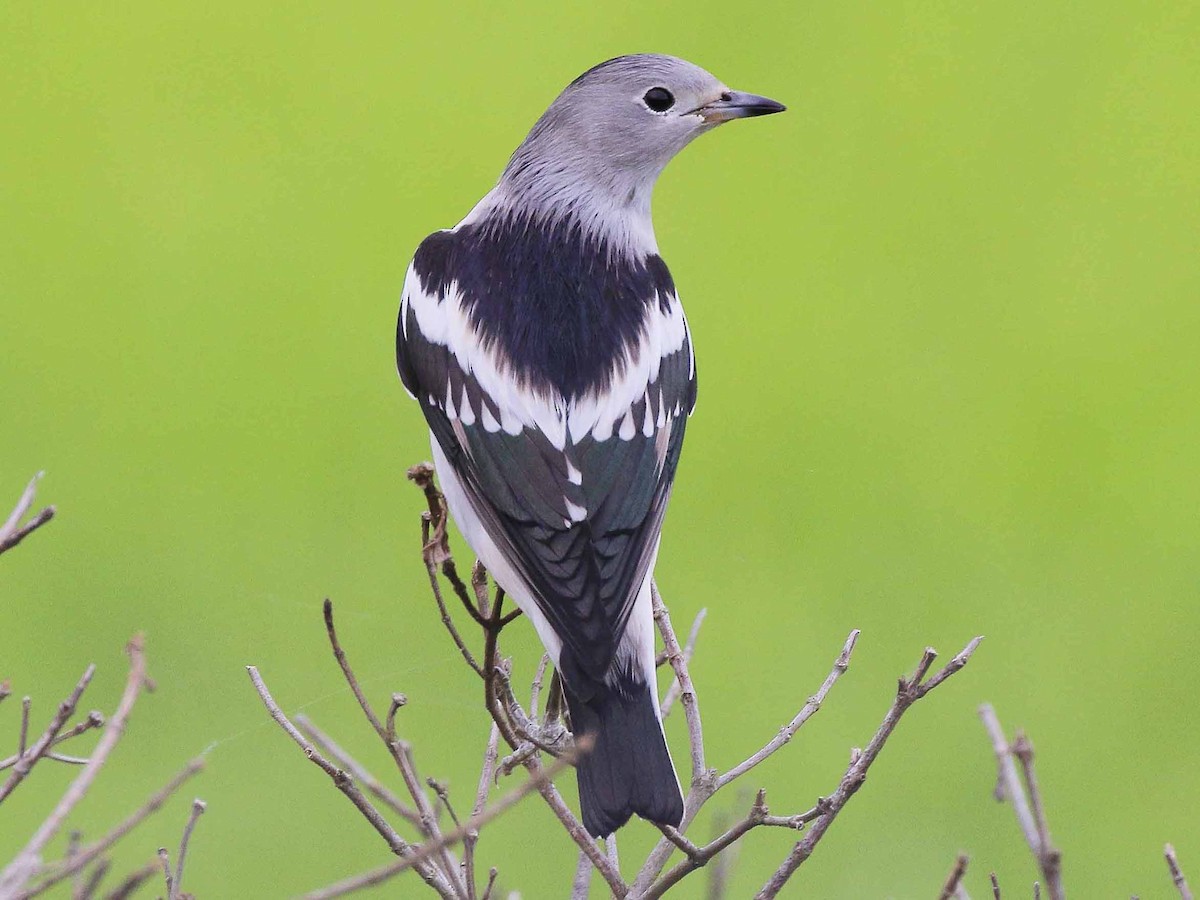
600, 414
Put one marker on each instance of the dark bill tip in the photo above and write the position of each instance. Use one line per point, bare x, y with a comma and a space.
747, 105
738, 105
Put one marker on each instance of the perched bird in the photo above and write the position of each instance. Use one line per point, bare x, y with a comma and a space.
544, 340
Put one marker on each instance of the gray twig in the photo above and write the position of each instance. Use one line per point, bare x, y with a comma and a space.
357, 771
954, 879
344, 783
431, 848
26, 863
56, 872
27, 757
1025, 798
689, 650
908, 692
12, 532
1181, 885
198, 807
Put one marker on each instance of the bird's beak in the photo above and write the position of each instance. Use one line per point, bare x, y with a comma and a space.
737, 105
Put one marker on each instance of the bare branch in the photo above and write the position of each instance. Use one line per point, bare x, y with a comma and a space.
198, 807
94, 720
1025, 798
344, 783
1048, 855
134, 881
401, 753
535, 688
27, 758
23, 733
164, 860
954, 879
722, 864
12, 532
1008, 784
840, 665
491, 883
356, 770
486, 774
709, 783
428, 850
26, 862
577, 833
909, 691
696, 857
1181, 885
92, 884
687, 691
64, 869
689, 650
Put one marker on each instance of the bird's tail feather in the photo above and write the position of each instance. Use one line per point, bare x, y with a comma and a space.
628, 769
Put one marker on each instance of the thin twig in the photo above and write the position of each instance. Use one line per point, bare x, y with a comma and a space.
56, 872
12, 532
788, 731
164, 860
696, 857
28, 757
94, 720
88, 889
431, 848
1008, 784
535, 688
1181, 885
1048, 855
23, 731
954, 879
491, 883
1025, 798
687, 690
344, 783
704, 787
689, 650
995, 886
722, 864
134, 881
198, 807
400, 751
610, 848
486, 774
357, 771
576, 831
909, 691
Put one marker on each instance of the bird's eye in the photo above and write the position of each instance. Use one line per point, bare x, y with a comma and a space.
659, 99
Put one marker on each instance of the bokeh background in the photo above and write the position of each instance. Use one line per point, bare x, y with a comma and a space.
947, 322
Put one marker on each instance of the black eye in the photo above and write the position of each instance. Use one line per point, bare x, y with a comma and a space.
659, 99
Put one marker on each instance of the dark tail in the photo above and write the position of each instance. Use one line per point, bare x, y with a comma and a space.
628, 769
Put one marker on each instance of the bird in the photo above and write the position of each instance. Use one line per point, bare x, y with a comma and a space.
546, 344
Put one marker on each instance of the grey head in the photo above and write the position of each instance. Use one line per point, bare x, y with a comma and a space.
597, 152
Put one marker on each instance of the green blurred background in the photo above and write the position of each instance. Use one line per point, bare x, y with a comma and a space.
947, 322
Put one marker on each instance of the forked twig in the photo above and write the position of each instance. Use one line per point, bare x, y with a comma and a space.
12, 532
26, 863
1025, 798
909, 691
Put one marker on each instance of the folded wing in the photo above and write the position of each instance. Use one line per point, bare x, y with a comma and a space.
572, 488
